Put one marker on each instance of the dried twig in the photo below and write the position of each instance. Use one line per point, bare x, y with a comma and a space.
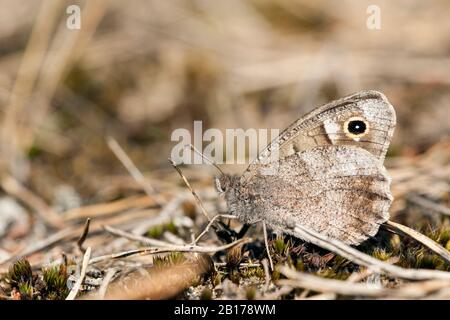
358, 257
228, 216
427, 242
266, 243
316, 283
199, 202
84, 235
73, 293
152, 250
266, 274
106, 280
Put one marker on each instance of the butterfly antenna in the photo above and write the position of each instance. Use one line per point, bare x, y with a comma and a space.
205, 157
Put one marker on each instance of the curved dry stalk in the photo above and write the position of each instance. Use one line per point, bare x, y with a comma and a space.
174, 248
73, 293
419, 237
363, 259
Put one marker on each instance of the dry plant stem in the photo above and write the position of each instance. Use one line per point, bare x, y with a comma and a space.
17, 190
322, 296
359, 276
363, 259
227, 216
266, 274
135, 237
106, 280
84, 235
73, 293
205, 213
316, 283
147, 251
132, 169
266, 242
419, 237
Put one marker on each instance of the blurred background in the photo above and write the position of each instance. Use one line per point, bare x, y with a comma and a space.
137, 70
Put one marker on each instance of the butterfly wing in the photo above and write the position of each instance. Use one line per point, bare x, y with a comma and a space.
340, 191
365, 119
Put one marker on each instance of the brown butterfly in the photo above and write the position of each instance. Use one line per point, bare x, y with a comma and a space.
325, 171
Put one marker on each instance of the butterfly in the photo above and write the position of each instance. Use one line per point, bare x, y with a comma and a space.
325, 171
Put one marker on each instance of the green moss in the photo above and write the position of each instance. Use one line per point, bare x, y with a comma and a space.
55, 281
173, 258
26, 290
20, 272
155, 232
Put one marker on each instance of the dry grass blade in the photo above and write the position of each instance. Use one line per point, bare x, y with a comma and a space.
105, 283
205, 213
427, 242
174, 248
319, 284
363, 259
73, 293
84, 235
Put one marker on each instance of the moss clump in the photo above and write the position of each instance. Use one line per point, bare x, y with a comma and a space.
173, 258
55, 281
20, 272
157, 231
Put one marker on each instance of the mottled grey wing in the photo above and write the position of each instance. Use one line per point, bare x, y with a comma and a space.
340, 191
328, 126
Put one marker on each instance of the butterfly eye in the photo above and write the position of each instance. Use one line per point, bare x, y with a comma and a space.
356, 127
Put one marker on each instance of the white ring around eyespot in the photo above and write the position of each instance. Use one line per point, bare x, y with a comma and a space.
353, 136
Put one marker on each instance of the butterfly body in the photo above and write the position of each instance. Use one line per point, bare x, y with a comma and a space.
325, 171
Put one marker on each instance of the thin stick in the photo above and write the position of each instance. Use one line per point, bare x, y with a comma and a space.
131, 168
266, 274
363, 259
228, 216
199, 202
212, 162
152, 250
73, 293
106, 280
266, 242
84, 235
316, 283
427, 242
